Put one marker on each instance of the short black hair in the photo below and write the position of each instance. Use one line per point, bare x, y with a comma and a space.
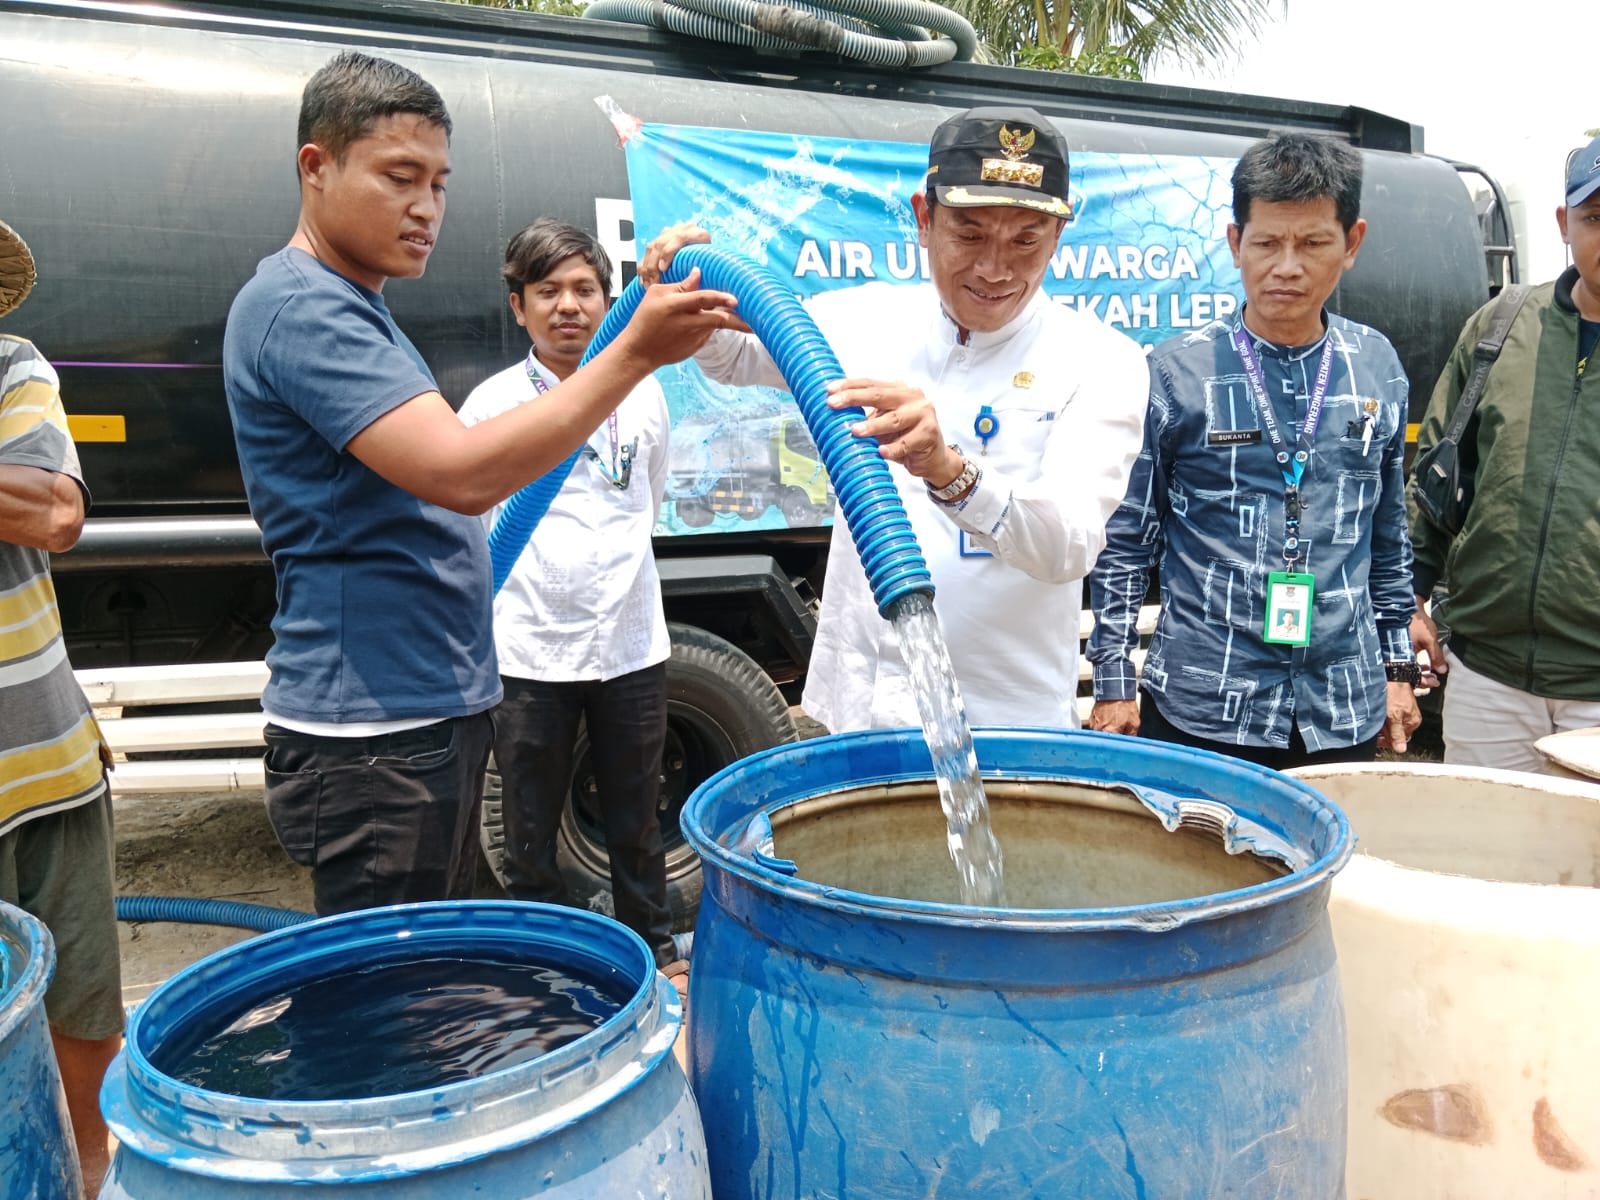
538, 249
1298, 166
352, 92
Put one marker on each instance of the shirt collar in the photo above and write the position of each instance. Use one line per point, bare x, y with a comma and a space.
1565, 282
373, 298
1274, 349
977, 340
600, 439
545, 373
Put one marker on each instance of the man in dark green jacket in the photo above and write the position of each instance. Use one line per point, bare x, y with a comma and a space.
1524, 572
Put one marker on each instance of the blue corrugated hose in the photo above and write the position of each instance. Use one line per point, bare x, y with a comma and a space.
186, 910
867, 494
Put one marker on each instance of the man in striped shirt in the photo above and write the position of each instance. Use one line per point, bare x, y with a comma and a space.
55, 810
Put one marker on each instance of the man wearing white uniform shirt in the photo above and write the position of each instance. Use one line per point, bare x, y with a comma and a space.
578, 625
1016, 420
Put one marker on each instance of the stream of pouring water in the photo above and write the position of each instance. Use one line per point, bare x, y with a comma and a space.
972, 843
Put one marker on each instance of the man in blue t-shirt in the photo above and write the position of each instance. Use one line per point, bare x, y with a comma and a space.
366, 486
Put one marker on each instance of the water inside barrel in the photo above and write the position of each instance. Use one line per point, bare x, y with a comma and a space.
387, 1029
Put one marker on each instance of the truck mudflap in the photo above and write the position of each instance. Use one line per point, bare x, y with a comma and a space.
731, 594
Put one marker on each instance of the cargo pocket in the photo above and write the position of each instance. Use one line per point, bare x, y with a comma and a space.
293, 798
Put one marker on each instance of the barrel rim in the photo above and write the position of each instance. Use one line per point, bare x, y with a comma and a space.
219, 1135
1586, 789
21, 997
1574, 902
1144, 918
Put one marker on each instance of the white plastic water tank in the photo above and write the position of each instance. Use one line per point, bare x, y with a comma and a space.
1468, 933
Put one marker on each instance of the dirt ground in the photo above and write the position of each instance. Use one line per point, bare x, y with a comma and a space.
212, 846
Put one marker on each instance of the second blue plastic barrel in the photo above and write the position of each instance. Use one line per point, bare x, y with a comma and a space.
38, 1160
609, 1114
1164, 1023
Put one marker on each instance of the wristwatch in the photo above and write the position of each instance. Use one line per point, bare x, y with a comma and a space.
1403, 672
968, 476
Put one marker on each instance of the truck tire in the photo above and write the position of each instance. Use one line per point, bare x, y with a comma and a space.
798, 511
721, 706
694, 512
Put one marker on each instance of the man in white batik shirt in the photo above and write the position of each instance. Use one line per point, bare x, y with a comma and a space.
1047, 404
578, 625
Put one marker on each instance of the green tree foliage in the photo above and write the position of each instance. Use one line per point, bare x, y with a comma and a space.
1119, 38
1107, 62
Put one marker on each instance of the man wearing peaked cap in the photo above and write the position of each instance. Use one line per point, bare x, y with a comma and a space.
1014, 423
1583, 175
55, 810
1522, 573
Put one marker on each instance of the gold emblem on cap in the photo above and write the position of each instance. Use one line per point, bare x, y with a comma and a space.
1022, 379
1015, 144
1370, 405
1001, 170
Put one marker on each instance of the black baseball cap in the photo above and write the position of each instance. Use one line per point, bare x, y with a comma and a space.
1583, 176
999, 156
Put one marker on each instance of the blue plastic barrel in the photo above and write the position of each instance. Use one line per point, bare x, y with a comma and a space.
608, 1114
38, 1160
1157, 1018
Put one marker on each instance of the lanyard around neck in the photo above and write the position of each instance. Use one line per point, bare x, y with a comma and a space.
621, 456
1293, 465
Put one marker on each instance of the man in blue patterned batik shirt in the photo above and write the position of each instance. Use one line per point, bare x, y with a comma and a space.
1270, 492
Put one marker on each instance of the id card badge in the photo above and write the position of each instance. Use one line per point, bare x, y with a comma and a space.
1289, 596
970, 548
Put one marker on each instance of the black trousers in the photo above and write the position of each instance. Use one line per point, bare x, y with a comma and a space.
1152, 724
536, 733
381, 820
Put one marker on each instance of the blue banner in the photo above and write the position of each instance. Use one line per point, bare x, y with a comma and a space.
1146, 252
